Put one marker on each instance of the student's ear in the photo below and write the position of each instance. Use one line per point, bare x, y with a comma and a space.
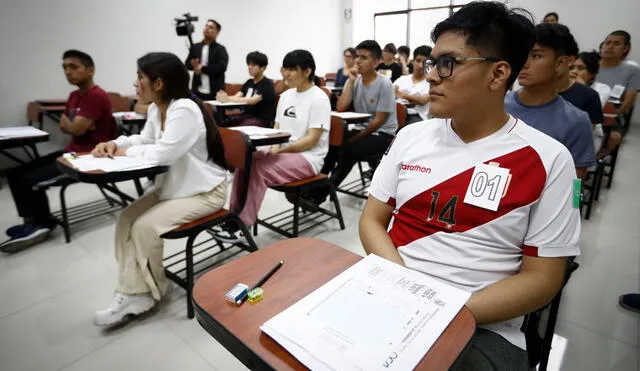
91, 71
307, 73
158, 85
499, 75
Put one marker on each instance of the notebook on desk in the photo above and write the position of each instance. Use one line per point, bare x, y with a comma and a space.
257, 132
376, 315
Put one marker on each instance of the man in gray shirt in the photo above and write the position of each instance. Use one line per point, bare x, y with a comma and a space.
613, 72
369, 93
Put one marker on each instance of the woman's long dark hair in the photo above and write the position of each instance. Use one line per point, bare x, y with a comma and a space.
175, 78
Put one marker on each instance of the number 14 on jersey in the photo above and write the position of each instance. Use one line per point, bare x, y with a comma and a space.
487, 186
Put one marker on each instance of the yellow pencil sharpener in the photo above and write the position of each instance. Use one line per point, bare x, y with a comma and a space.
255, 295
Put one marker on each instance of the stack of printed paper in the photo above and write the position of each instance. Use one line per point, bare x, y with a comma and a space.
376, 315
257, 132
117, 163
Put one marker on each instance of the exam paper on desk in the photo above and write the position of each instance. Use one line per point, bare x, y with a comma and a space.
117, 163
376, 315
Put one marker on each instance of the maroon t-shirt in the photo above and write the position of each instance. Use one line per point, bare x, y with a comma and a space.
95, 105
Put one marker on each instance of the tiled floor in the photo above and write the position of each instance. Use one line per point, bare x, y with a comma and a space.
49, 293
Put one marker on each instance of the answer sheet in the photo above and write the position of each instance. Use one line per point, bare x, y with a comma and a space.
350, 115
376, 315
117, 163
20, 132
256, 132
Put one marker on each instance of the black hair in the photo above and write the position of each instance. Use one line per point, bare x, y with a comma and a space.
257, 58
422, 50
627, 39
372, 46
591, 61
552, 14
557, 37
175, 78
404, 50
300, 58
351, 51
84, 58
390, 48
216, 23
494, 31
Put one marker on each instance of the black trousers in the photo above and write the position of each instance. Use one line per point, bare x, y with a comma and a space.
32, 205
340, 160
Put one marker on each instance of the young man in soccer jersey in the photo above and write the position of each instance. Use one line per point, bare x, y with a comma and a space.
490, 208
538, 103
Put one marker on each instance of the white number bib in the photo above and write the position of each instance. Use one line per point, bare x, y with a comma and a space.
487, 186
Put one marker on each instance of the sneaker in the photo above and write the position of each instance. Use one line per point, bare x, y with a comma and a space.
630, 302
29, 235
230, 235
122, 308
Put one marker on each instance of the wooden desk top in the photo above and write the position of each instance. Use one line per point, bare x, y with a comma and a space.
270, 139
51, 102
51, 108
309, 263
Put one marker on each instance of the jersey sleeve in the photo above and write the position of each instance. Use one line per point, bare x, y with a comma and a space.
554, 223
384, 184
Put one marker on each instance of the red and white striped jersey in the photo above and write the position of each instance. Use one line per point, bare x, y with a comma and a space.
425, 176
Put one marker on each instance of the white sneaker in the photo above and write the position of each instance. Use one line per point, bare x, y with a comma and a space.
123, 307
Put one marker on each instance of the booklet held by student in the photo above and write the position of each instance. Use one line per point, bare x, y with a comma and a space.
376, 315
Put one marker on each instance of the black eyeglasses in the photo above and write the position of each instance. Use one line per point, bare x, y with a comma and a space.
444, 63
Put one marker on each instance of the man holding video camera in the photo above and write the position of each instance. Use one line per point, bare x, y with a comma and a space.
208, 60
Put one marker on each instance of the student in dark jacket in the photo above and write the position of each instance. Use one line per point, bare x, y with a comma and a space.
208, 60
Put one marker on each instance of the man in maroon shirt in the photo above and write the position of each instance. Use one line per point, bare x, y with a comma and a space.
89, 121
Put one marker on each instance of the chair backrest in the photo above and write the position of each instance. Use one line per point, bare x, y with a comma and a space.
538, 327
401, 113
119, 103
610, 114
232, 89
32, 111
238, 155
321, 81
330, 76
326, 91
336, 135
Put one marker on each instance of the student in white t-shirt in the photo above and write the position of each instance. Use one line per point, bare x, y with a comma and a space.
477, 198
414, 88
180, 133
304, 111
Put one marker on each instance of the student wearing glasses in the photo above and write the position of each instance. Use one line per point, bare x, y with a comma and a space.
349, 62
477, 198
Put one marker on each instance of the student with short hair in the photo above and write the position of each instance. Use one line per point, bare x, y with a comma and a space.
414, 88
403, 58
618, 75
208, 60
538, 104
181, 134
509, 252
303, 111
585, 70
368, 92
258, 93
388, 67
349, 56
551, 17
88, 120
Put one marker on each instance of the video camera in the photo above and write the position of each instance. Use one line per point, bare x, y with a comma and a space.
184, 26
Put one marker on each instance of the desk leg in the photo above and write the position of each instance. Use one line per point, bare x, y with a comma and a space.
139, 189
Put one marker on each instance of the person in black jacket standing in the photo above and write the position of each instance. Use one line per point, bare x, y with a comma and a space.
208, 60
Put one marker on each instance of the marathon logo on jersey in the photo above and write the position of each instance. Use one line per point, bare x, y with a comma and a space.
416, 168
290, 112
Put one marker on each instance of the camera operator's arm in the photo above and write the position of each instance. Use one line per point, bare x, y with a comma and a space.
189, 58
218, 65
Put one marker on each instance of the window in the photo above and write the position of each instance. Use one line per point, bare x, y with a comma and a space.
390, 28
412, 26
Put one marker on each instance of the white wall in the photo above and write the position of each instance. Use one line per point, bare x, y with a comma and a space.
35, 33
589, 20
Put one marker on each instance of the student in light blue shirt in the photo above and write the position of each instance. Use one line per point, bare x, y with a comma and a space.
539, 105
